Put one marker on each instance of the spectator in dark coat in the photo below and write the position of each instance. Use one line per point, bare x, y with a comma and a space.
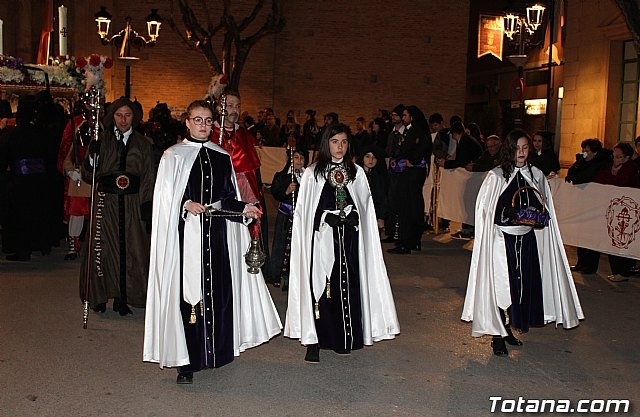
588, 163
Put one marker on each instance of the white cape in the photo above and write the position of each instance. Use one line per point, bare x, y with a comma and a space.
379, 319
488, 285
255, 318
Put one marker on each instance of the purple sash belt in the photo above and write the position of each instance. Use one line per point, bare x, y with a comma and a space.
286, 209
28, 166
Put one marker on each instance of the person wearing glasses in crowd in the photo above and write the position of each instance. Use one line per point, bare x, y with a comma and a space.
203, 308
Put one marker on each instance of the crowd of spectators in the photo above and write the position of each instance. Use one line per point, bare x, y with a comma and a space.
402, 141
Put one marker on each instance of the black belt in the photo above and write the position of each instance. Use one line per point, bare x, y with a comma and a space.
119, 183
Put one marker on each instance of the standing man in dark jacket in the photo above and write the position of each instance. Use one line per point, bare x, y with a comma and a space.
467, 149
412, 162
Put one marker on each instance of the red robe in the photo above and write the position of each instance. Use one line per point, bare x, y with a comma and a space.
73, 205
241, 146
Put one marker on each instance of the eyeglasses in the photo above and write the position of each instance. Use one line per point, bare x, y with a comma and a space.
200, 121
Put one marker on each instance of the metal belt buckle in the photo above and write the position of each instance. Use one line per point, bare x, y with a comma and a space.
122, 182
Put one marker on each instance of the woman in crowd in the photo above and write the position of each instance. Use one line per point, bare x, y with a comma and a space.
372, 162
339, 292
621, 172
542, 156
284, 189
519, 275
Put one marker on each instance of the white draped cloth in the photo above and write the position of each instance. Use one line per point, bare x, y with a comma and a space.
255, 318
379, 319
488, 284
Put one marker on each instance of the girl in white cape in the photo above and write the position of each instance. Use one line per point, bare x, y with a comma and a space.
519, 276
339, 292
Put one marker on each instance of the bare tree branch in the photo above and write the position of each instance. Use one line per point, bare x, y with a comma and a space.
235, 49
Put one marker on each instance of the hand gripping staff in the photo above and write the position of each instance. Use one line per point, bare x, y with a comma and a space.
93, 97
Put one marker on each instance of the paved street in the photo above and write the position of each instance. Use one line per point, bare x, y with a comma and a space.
50, 366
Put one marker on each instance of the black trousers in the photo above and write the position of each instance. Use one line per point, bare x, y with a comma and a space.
588, 260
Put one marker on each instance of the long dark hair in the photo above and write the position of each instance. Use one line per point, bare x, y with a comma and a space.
324, 154
302, 152
508, 151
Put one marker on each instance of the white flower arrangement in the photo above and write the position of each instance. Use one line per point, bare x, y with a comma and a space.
58, 75
10, 75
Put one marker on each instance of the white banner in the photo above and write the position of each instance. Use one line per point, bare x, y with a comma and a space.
604, 218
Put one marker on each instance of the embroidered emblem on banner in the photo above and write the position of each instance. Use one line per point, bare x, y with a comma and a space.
623, 221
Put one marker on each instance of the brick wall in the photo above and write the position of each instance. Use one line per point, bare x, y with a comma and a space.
350, 57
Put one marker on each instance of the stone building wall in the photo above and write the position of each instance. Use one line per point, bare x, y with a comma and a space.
592, 60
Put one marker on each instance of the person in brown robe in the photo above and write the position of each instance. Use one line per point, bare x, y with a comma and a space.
119, 246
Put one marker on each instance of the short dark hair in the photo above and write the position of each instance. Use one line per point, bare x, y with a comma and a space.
594, 144
333, 116
436, 118
454, 118
457, 127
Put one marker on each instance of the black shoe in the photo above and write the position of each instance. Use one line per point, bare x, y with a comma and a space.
71, 256
589, 271
389, 239
184, 378
399, 250
499, 348
576, 268
276, 284
417, 247
100, 308
313, 353
342, 351
45, 252
122, 308
511, 339
19, 258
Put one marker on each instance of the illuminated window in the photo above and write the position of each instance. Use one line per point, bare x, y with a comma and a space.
629, 95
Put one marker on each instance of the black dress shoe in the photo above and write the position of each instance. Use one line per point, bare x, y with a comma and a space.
18, 257
417, 247
499, 347
511, 339
100, 308
71, 256
122, 308
589, 271
576, 268
342, 351
389, 239
313, 353
184, 378
399, 250
276, 284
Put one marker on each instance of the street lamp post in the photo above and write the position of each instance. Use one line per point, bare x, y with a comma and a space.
126, 38
519, 29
